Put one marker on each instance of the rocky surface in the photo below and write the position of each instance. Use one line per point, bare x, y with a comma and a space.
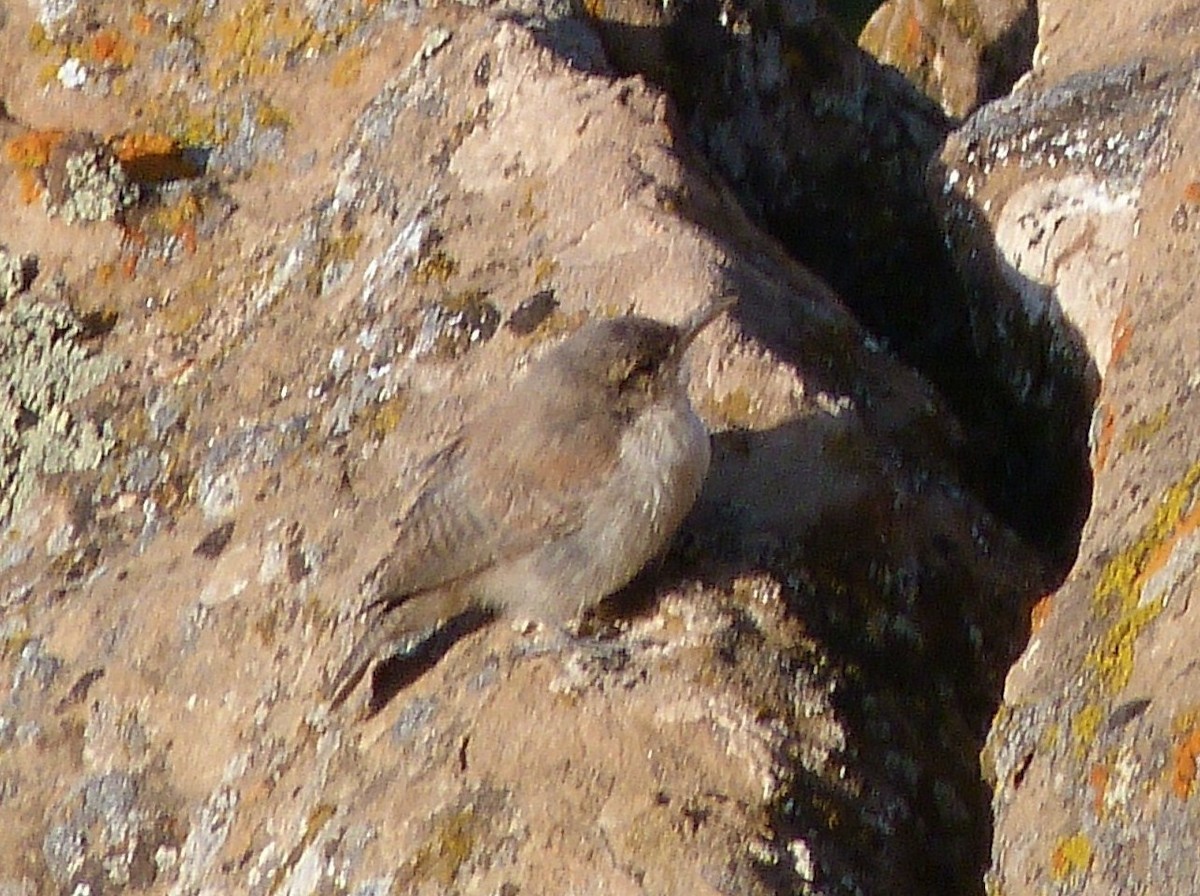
258, 261
960, 54
1082, 187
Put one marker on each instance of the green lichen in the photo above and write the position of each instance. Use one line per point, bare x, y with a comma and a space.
44, 367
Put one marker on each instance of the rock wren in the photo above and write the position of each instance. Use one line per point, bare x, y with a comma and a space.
554, 496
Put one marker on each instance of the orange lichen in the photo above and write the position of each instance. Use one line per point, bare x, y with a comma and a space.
109, 47
1104, 438
1040, 613
914, 37
1183, 765
187, 237
32, 149
29, 153
1191, 193
1098, 780
30, 186
1122, 334
129, 146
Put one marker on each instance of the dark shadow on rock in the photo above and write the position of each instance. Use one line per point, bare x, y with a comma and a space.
828, 152
787, 127
1009, 56
393, 675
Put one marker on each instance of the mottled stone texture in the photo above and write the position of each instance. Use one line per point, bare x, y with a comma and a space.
960, 53
1072, 209
306, 238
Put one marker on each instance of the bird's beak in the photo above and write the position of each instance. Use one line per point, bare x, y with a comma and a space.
701, 318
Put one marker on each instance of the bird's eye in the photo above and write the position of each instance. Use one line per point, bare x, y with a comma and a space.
635, 373
643, 366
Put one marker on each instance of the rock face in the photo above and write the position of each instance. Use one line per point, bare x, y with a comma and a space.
960, 54
259, 262
1073, 202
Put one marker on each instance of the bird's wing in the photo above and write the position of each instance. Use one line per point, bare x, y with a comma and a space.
508, 484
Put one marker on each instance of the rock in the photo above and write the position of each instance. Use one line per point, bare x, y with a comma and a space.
1080, 189
337, 210
960, 55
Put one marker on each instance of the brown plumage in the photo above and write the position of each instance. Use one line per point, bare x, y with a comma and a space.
554, 495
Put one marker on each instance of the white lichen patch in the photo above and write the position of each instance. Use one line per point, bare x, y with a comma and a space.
72, 74
88, 184
14, 274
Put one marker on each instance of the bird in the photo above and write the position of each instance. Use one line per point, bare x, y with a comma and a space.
550, 498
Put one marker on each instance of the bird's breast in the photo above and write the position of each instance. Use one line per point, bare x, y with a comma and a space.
664, 457
629, 517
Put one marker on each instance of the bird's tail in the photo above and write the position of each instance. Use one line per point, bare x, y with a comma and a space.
391, 626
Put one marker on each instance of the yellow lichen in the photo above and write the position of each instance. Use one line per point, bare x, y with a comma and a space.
1085, 725
449, 846
1140, 433
527, 211
186, 309
1122, 581
437, 267
1071, 857
386, 416
267, 115
1112, 656
735, 408
39, 41
260, 38
543, 270
347, 68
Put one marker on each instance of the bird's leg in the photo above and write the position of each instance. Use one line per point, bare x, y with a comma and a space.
609, 648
